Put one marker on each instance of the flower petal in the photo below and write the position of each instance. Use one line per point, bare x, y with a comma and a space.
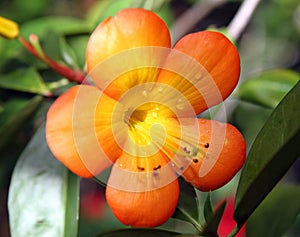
72, 133
214, 75
128, 30
223, 154
142, 191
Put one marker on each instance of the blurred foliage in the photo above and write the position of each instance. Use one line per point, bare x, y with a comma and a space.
266, 110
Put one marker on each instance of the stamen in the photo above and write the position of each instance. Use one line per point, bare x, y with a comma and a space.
195, 151
195, 160
155, 174
179, 150
189, 150
186, 150
171, 158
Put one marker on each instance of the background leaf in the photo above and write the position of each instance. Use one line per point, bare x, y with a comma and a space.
187, 207
139, 233
208, 208
211, 227
268, 88
105, 8
24, 79
278, 220
68, 53
61, 25
43, 195
13, 116
179, 226
272, 153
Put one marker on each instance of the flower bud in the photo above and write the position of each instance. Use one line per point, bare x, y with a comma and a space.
8, 29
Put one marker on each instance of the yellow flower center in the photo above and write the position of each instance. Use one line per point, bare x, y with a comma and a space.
152, 128
146, 124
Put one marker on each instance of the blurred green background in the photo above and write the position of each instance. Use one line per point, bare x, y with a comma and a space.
269, 49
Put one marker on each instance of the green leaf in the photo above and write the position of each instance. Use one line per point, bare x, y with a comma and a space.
51, 45
208, 208
68, 54
274, 150
179, 226
153, 5
43, 195
187, 208
56, 47
211, 227
270, 221
24, 79
268, 88
60, 25
250, 118
15, 113
139, 233
78, 45
106, 8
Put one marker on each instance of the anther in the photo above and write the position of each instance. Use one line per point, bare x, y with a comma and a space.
186, 150
206, 145
195, 160
141, 168
157, 167
155, 174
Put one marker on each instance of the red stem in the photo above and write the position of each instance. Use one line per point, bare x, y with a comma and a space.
70, 74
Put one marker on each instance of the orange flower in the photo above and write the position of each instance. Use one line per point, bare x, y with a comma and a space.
140, 115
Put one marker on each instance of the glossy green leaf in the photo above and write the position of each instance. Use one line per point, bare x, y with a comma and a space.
68, 54
24, 79
268, 88
187, 208
78, 45
51, 45
61, 25
166, 12
43, 195
211, 227
56, 47
208, 208
20, 11
179, 226
153, 5
106, 8
276, 213
273, 152
139, 233
13, 116
250, 118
